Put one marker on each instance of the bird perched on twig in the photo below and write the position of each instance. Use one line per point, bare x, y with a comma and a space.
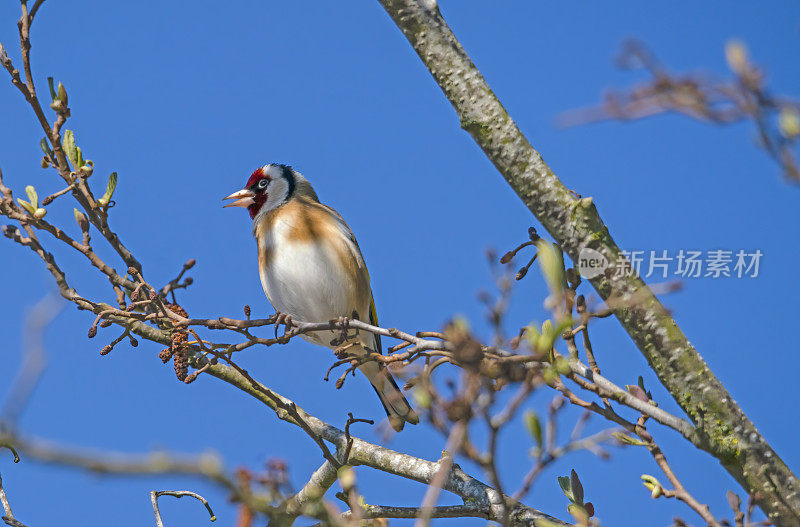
312, 270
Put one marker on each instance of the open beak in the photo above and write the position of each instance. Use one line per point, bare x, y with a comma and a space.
244, 198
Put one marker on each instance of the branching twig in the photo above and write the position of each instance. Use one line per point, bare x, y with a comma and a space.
154, 495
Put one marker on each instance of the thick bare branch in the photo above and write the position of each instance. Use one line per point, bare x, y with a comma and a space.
309, 495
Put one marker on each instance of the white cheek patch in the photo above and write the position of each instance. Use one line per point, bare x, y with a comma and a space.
277, 191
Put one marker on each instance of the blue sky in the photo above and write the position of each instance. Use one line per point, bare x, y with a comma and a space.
185, 103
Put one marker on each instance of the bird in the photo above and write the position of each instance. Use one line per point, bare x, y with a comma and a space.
312, 270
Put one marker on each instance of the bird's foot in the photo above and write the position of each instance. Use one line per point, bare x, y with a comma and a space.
286, 320
342, 324
341, 351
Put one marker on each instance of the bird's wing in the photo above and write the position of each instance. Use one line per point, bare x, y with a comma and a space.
373, 314
373, 319
345, 228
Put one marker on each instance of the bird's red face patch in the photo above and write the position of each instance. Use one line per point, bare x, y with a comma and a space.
260, 195
255, 177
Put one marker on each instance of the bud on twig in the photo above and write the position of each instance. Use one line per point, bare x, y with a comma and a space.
32, 206
32, 195
552, 264
45, 146
25, 205
734, 501
62, 95
112, 185
789, 122
736, 55
580, 303
637, 392
653, 485
534, 426
68, 144
626, 439
53, 95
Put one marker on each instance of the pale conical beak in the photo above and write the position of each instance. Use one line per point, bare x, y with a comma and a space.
244, 198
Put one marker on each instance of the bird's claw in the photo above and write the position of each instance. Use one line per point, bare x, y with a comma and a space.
286, 320
341, 350
344, 326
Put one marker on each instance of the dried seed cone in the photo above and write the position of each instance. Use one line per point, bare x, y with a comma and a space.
165, 355
181, 362
180, 358
175, 308
179, 339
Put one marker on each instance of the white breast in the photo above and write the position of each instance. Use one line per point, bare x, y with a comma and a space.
306, 279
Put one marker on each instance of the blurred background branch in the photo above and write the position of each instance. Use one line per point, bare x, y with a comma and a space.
702, 96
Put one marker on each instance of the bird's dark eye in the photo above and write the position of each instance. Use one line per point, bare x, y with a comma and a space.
263, 183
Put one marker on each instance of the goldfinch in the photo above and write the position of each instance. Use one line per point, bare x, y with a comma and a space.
311, 269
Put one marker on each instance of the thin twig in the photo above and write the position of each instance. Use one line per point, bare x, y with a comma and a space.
154, 495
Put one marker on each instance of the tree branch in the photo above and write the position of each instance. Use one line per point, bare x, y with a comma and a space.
207, 466
446, 511
155, 494
364, 453
309, 495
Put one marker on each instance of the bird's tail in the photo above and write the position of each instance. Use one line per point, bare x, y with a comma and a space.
397, 408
